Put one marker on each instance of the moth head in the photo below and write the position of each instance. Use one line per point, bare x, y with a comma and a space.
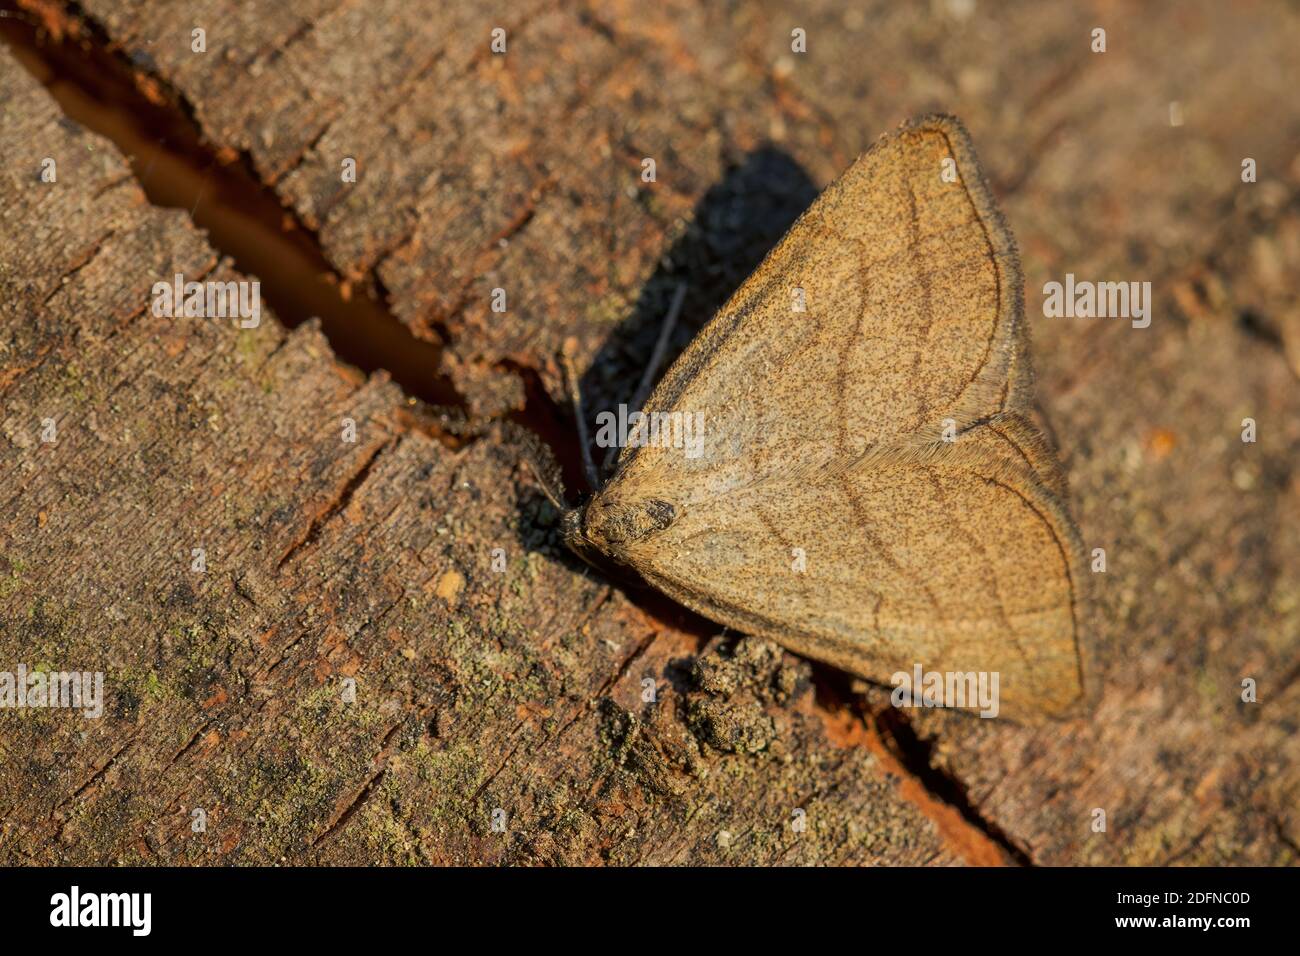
610, 524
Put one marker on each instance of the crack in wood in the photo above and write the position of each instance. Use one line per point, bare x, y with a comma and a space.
913, 755
157, 129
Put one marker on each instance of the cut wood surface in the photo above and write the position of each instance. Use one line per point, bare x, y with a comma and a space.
326, 560
519, 696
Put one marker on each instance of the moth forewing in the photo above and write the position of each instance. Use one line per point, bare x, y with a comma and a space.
879, 432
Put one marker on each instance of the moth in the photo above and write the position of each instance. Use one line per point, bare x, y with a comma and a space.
871, 489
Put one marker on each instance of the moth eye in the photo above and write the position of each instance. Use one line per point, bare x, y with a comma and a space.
660, 513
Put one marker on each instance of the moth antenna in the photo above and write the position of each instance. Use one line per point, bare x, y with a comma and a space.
661, 347
656, 359
575, 400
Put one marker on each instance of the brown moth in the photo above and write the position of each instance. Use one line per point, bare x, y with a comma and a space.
870, 488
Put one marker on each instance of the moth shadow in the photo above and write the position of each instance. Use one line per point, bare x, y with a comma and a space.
733, 227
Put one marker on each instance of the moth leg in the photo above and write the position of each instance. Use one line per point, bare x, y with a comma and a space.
540, 460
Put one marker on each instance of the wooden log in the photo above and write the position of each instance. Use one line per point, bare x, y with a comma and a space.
522, 171
479, 694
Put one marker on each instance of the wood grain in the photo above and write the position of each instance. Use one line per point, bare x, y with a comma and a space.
458, 152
